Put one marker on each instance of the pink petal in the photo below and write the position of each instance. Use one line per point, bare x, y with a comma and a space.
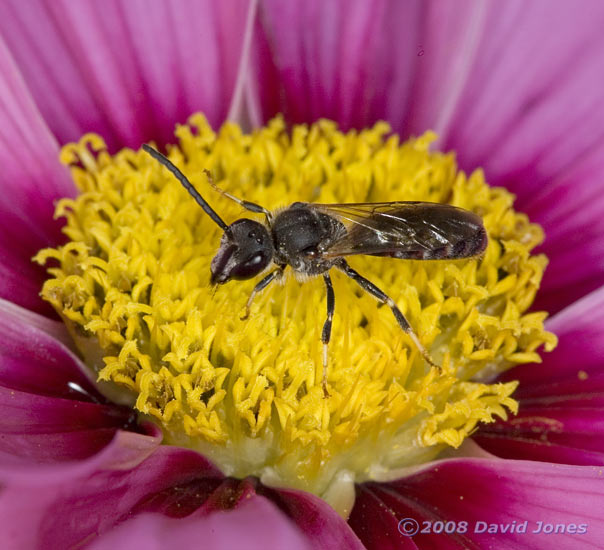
530, 114
561, 417
520, 117
567, 435
449, 34
357, 62
128, 70
328, 60
84, 454
30, 180
490, 491
50, 411
36, 363
571, 209
93, 503
173, 482
315, 518
255, 525
580, 331
24, 414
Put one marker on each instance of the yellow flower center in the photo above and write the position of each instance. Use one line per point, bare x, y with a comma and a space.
132, 285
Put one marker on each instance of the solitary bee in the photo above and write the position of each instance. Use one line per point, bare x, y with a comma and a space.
313, 238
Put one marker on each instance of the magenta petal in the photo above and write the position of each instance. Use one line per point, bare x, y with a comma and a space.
205, 496
31, 180
571, 209
448, 37
566, 435
537, 129
82, 455
531, 448
128, 70
28, 414
519, 116
358, 62
578, 359
317, 520
255, 525
341, 59
35, 362
50, 412
93, 503
561, 416
530, 114
506, 493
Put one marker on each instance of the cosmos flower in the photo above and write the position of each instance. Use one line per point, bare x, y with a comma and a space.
498, 87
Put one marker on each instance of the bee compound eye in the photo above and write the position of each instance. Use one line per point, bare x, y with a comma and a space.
250, 267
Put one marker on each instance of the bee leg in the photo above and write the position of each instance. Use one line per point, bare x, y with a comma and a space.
369, 287
251, 206
326, 334
259, 287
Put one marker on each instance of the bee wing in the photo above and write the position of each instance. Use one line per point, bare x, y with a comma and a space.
413, 230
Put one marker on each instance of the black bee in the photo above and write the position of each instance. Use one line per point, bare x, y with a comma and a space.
313, 238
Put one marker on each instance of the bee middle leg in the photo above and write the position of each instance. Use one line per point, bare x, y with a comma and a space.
326, 334
372, 289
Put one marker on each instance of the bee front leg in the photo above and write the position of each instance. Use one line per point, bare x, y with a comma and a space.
259, 287
251, 206
326, 334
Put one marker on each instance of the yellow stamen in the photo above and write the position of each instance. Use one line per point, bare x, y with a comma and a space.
133, 287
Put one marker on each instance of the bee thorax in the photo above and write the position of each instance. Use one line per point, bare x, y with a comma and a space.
300, 237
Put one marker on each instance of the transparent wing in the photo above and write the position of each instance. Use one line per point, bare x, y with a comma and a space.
414, 230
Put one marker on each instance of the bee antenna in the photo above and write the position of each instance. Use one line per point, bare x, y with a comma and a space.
186, 184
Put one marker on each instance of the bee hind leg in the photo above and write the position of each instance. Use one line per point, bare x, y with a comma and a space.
326, 334
369, 287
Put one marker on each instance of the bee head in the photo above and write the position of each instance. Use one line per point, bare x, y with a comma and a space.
246, 249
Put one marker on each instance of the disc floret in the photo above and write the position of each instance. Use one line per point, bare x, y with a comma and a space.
132, 285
